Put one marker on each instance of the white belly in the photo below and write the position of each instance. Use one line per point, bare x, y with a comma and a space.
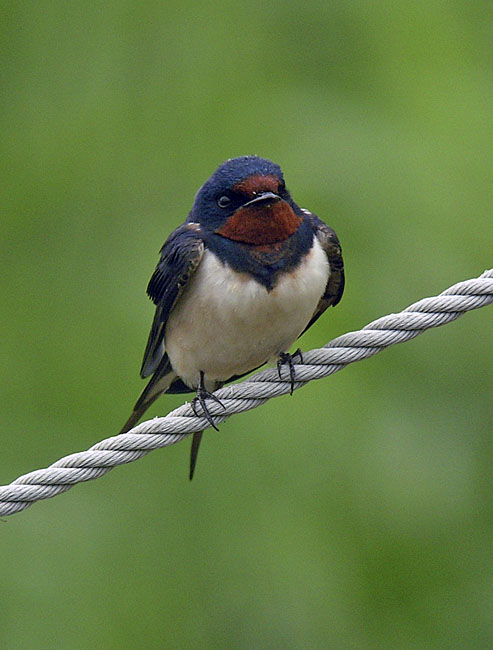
226, 323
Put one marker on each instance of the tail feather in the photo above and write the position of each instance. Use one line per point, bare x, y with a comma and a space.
194, 451
159, 384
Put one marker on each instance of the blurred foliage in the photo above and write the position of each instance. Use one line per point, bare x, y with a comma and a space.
356, 514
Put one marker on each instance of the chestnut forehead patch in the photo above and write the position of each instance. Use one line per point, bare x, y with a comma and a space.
257, 184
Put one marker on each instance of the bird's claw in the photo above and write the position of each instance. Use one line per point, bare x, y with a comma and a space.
201, 397
285, 358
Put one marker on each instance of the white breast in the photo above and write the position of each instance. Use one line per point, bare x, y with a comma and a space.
226, 323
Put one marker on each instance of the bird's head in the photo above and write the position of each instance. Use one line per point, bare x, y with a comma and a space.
246, 200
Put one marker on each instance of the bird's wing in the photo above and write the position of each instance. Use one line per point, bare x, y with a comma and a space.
335, 285
180, 257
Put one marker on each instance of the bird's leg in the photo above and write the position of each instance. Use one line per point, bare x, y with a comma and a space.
285, 358
202, 395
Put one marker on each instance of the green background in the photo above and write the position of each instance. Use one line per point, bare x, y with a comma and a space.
355, 514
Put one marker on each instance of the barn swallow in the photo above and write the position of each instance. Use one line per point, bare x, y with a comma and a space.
246, 274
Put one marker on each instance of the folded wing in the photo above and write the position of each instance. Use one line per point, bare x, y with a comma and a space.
335, 285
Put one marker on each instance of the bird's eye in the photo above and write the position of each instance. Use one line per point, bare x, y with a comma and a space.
223, 201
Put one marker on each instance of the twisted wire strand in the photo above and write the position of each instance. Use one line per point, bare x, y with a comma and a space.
251, 393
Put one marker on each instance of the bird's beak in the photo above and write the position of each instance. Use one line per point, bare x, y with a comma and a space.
265, 196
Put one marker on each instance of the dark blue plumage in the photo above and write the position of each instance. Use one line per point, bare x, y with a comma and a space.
236, 284
205, 209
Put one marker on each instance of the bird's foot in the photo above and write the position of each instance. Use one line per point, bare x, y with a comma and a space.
201, 397
285, 358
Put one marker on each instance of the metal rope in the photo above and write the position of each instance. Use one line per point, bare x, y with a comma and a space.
252, 392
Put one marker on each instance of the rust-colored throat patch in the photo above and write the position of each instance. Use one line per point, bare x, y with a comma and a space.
261, 224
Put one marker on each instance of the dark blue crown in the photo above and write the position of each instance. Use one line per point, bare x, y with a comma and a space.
236, 169
222, 181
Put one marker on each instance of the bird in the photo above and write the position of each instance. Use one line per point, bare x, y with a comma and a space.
237, 283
